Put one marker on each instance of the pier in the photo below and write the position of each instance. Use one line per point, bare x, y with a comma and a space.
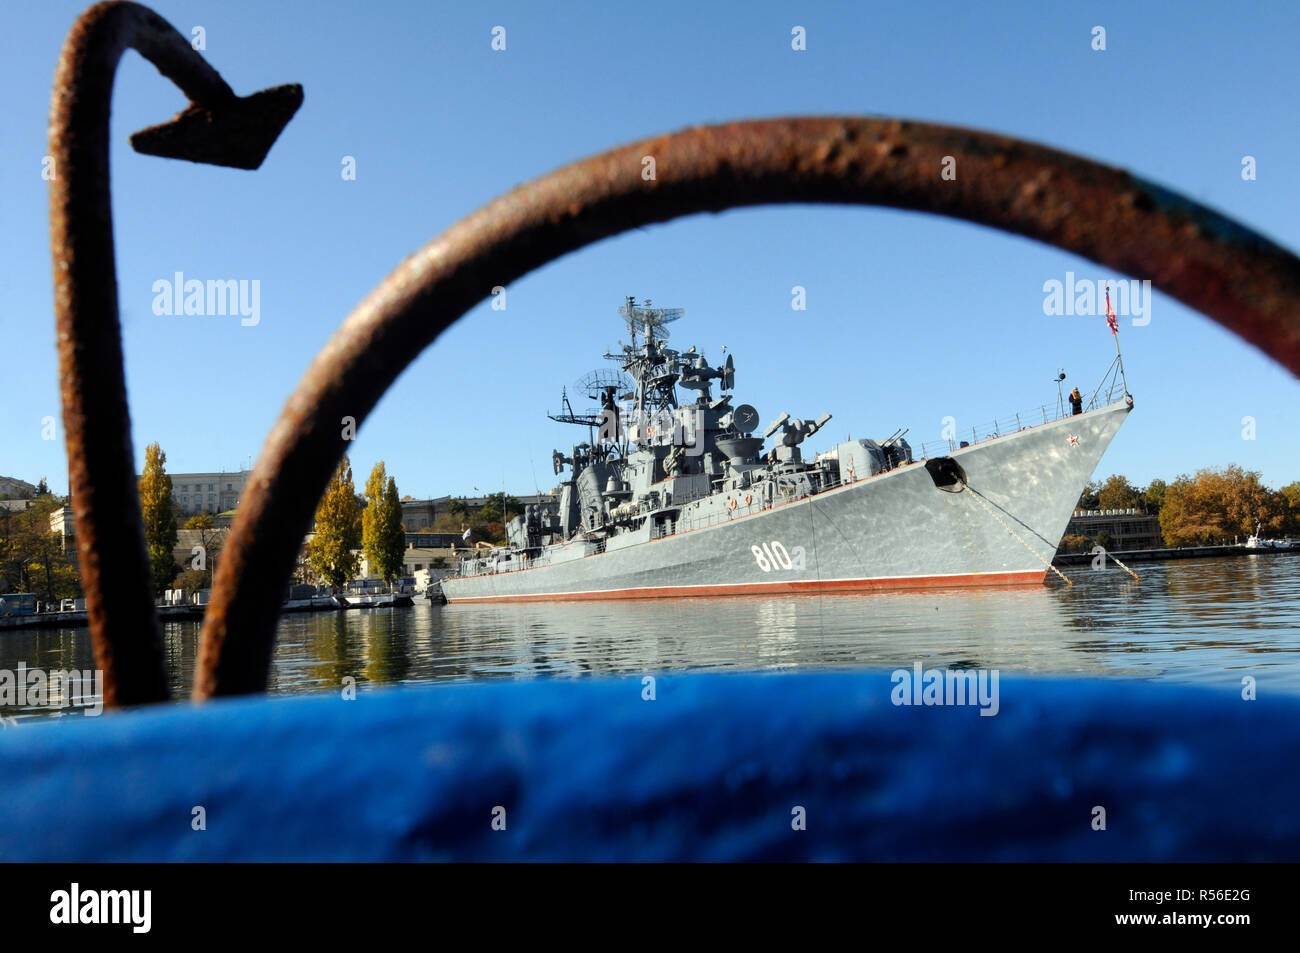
1180, 552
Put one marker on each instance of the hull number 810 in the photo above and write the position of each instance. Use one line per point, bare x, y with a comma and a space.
774, 556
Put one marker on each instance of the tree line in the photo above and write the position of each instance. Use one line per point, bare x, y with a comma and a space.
32, 557
1213, 505
346, 523
486, 524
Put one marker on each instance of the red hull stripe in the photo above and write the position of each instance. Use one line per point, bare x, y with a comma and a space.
959, 580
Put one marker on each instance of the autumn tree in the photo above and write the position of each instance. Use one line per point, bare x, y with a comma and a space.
31, 555
1088, 498
159, 517
489, 523
1290, 495
372, 528
1153, 497
384, 539
10, 562
338, 530
1117, 493
498, 508
1218, 504
1073, 543
397, 540
194, 578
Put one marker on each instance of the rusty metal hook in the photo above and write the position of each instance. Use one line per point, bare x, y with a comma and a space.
218, 128
1211, 263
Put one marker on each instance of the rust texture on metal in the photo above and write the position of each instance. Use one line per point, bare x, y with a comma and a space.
237, 132
101, 472
1242, 280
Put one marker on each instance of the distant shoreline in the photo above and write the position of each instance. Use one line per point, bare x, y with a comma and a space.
1180, 552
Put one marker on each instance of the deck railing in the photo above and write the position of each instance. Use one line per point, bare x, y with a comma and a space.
1108, 391
999, 427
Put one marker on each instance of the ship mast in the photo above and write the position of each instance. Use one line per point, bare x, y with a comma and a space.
652, 366
648, 377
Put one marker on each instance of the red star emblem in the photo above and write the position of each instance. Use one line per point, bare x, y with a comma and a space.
1074, 439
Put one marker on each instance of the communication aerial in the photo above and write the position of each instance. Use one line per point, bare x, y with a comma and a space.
648, 320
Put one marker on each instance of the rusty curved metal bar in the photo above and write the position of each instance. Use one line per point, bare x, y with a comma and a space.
1244, 281
218, 127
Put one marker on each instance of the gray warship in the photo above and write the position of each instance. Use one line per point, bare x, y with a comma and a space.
669, 498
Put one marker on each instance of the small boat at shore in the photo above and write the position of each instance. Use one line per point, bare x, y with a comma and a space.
383, 600
1255, 541
309, 604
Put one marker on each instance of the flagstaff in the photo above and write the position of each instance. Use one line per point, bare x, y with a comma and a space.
1113, 323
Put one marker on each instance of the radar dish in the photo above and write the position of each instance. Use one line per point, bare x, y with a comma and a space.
647, 319
745, 418
594, 384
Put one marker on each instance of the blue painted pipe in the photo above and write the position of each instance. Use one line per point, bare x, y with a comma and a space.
715, 767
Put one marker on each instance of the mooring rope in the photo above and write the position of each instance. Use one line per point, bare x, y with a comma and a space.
1107, 554
1046, 562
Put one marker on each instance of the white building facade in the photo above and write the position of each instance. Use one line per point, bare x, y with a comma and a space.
196, 493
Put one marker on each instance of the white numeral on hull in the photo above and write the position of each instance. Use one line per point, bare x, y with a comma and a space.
774, 556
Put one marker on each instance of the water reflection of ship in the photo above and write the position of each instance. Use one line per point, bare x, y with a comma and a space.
1025, 630
1197, 621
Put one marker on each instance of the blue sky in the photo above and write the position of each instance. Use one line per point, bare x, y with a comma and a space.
909, 319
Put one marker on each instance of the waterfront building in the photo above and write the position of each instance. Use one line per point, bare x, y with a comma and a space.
213, 493
421, 514
1125, 529
63, 526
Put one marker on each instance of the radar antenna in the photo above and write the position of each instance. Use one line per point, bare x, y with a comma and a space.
648, 320
595, 385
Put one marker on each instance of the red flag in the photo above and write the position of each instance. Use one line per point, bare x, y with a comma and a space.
1111, 322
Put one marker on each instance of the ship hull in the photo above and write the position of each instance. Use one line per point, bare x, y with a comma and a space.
896, 530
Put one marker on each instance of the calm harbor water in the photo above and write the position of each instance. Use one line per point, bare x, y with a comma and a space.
1200, 621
